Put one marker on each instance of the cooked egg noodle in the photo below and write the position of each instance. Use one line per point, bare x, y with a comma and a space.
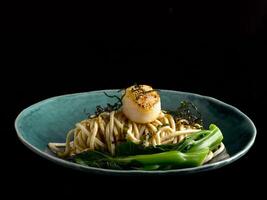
105, 131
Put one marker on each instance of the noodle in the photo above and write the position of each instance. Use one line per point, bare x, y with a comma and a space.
107, 130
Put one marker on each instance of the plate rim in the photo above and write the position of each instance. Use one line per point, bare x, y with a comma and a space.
69, 164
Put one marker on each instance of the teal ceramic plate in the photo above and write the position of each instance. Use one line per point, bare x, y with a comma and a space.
50, 120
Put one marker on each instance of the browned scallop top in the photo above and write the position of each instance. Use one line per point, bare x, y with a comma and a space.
143, 95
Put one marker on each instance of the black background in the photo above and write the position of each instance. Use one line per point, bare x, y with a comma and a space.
219, 51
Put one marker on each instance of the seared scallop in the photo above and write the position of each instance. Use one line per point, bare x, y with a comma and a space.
141, 104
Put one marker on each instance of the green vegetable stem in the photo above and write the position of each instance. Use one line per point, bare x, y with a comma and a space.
173, 158
191, 152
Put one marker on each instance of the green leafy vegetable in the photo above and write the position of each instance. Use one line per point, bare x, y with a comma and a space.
191, 152
149, 161
205, 138
96, 159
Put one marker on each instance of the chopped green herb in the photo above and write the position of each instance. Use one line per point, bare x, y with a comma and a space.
109, 107
188, 111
